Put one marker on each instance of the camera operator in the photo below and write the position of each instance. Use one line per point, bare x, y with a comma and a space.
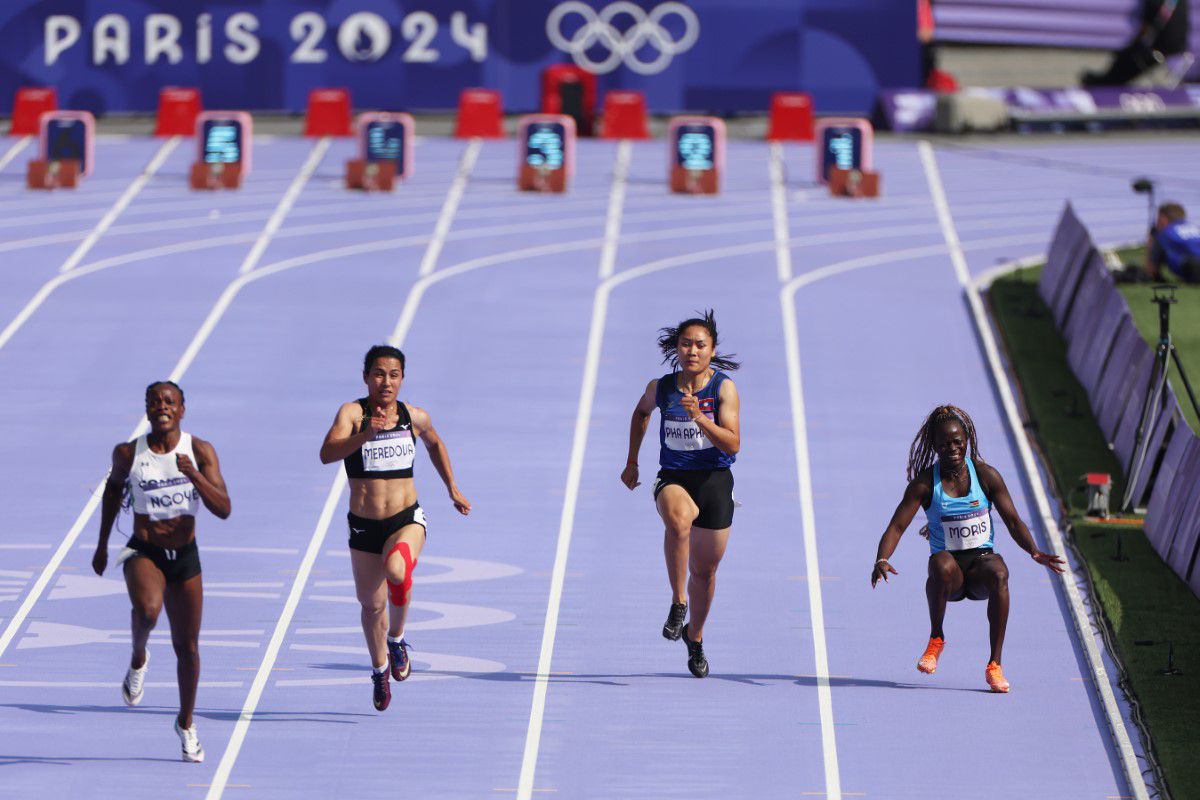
1162, 31
1174, 243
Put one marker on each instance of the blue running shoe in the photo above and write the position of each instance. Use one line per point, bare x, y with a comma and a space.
398, 656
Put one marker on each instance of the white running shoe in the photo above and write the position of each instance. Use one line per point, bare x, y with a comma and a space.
135, 683
192, 751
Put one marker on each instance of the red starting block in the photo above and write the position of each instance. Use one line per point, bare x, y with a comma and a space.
791, 117
843, 143
546, 152
178, 107
853, 183
479, 114
385, 152
52, 174
625, 116
328, 113
697, 154
66, 150
571, 90
31, 102
224, 142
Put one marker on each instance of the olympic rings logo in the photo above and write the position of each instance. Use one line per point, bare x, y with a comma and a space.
622, 47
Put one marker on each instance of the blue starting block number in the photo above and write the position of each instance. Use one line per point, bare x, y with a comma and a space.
385, 142
695, 147
545, 144
67, 140
841, 148
222, 141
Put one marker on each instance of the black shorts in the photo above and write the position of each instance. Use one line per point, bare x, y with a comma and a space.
369, 535
710, 489
177, 565
966, 560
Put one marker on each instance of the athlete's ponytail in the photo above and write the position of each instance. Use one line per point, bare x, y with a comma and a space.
922, 453
668, 342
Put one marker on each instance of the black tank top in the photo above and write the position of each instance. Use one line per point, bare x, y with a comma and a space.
390, 454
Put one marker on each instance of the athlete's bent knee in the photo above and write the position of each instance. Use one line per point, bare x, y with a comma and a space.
398, 590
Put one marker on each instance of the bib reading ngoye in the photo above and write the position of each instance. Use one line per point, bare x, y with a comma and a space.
681, 433
965, 531
389, 450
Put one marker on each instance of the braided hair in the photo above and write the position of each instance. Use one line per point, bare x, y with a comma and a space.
668, 342
922, 453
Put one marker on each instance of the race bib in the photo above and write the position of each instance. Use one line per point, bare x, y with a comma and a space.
966, 531
389, 450
680, 433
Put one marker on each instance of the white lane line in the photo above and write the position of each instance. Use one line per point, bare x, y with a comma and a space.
566, 523
783, 253
816, 608
1083, 629
122, 202
285, 205
64, 547
616, 202
14, 151
241, 728
450, 207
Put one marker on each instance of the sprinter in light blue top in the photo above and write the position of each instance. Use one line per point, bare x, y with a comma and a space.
957, 489
699, 437
959, 523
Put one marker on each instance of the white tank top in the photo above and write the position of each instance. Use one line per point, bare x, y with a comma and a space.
159, 490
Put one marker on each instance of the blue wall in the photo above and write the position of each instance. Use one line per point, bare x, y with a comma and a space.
267, 54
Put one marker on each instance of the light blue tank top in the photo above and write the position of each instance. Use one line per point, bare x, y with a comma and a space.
959, 523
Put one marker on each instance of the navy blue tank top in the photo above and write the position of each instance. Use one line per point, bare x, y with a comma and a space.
682, 443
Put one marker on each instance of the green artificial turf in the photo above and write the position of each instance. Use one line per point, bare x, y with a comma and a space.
1142, 597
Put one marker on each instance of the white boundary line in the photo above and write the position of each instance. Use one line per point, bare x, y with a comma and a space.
1125, 752
242, 726
616, 205
450, 207
122, 202
783, 253
14, 150
64, 548
285, 205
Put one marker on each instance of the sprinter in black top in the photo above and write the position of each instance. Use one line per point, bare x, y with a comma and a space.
375, 437
699, 437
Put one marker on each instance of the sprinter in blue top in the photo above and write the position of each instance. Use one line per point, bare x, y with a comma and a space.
958, 490
699, 437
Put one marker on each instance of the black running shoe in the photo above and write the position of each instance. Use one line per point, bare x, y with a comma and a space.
697, 663
383, 691
674, 624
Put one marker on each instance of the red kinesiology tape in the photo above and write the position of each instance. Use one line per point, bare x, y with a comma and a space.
398, 592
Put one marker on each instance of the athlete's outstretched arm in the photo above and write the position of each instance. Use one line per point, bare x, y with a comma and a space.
341, 440
438, 456
110, 501
637, 432
726, 432
207, 478
997, 491
914, 497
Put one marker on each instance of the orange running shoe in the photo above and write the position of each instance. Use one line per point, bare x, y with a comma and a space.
928, 662
995, 677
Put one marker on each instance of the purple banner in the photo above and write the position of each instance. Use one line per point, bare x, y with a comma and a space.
914, 109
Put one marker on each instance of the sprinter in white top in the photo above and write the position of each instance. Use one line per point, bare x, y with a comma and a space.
168, 475
947, 477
